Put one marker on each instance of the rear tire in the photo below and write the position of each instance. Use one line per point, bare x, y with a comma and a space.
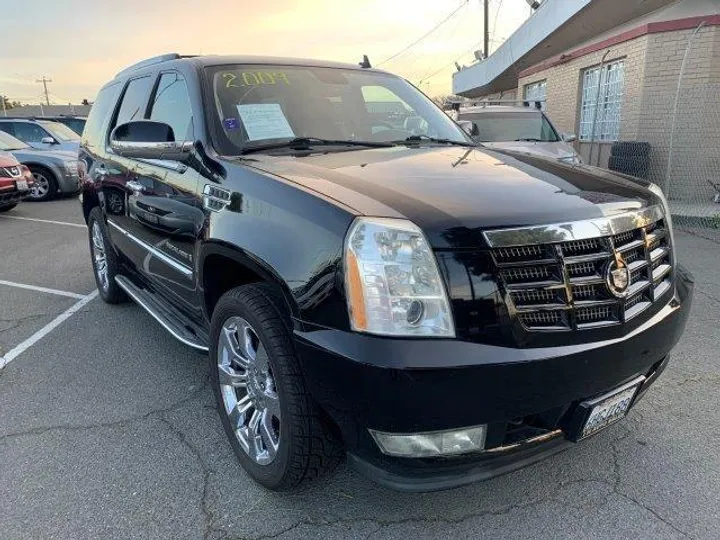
45, 186
104, 259
7, 207
274, 426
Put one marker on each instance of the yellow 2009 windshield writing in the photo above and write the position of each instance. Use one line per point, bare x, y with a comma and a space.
254, 78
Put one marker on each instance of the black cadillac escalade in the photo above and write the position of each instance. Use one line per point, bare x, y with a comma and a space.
365, 279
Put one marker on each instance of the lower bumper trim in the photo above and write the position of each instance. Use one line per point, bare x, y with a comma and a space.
489, 464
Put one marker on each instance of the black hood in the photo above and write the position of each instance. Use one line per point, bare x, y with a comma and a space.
454, 193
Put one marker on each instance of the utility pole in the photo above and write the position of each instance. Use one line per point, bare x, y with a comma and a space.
2, 98
44, 81
486, 29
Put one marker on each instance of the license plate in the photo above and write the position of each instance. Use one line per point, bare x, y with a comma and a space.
22, 185
609, 408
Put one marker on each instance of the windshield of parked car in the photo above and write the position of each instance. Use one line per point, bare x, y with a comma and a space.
60, 132
511, 126
254, 105
8, 142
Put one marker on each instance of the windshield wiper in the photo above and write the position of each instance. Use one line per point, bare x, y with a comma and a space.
427, 138
529, 140
306, 143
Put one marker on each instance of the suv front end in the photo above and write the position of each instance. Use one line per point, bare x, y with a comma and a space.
545, 320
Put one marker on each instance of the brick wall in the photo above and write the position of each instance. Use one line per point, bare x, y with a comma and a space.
696, 128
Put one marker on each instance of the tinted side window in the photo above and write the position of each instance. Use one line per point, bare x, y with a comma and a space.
171, 105
134, 100
29, 132
99, 113
7, 127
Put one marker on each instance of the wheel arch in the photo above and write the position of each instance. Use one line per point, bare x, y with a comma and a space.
245, 268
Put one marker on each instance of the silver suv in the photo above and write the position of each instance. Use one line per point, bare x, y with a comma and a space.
42, 134
520, 129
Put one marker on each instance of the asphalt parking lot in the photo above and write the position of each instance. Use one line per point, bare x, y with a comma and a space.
108, 430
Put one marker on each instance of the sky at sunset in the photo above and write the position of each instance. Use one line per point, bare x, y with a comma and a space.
81, 44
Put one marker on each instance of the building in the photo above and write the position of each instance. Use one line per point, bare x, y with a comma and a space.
626, 56
48, 110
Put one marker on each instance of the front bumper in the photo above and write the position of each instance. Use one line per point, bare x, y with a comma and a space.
407, 386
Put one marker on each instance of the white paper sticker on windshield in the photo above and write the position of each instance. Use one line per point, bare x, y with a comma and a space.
264, 121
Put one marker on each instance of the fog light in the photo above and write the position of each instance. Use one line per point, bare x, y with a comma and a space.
432, 443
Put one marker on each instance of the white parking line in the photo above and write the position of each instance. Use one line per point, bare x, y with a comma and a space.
45, 330
41, 289
81, 225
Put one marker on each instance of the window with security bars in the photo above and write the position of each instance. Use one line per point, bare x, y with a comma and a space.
536, 91
602, 90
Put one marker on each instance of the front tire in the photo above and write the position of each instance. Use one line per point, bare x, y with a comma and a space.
274, 426
45, 184
104, 259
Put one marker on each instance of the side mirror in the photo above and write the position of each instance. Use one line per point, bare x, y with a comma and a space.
146, 139
48, 140
468, 127
569, 137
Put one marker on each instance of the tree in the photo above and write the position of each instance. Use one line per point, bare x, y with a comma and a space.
8, 103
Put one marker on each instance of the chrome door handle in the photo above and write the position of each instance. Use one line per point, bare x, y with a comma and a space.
135, 186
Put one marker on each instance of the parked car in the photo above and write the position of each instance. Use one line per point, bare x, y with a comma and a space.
519, 128
15, 182
439, 311
41, 134
54, 173
76, 123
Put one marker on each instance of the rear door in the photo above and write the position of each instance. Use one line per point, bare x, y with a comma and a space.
164, 212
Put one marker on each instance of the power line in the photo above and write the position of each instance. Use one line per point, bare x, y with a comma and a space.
438, 25
472, 49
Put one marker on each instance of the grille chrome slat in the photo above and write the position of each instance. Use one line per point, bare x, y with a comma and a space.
567, 284
632, 245
660, 272
573, 259
514, 264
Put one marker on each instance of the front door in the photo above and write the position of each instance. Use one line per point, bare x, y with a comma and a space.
164, 210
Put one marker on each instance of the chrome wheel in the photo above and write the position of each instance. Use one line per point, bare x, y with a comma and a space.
248, 391
41, 186
99, 255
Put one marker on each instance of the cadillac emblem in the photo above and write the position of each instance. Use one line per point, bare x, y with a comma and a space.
618, 277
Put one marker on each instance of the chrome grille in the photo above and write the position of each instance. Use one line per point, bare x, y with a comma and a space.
526, 273
593, 314
535, 296
543, 318
566, 285
518, 253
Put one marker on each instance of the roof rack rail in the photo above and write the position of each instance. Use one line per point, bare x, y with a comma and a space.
149, 62
489, 102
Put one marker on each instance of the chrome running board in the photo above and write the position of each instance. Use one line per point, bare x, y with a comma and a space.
179, 327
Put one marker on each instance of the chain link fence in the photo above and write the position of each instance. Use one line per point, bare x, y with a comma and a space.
671, 136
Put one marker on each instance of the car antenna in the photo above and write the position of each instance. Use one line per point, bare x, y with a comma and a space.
365, 64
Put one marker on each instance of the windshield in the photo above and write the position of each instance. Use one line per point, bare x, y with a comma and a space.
509, 126
60, 131
257, 104
8, 142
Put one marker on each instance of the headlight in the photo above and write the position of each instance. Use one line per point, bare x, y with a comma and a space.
71, 166
392, 281
571, 160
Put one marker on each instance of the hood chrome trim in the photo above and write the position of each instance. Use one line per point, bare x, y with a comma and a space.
574, 230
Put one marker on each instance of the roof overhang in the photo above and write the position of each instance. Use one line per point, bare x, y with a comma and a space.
558, 25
